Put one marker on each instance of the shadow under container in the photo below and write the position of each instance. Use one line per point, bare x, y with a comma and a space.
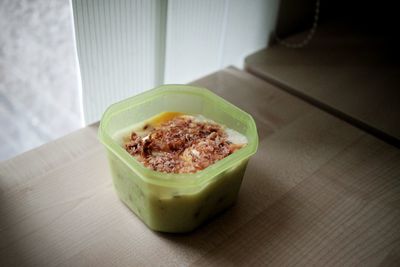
171, 202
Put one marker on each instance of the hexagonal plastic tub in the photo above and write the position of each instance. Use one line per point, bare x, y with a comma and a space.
170, 202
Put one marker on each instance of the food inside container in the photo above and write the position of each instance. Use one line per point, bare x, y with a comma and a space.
208, 139
174, 142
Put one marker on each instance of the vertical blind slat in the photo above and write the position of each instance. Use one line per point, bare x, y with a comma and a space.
116, 49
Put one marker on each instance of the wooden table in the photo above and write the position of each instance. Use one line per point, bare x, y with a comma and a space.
351, 73
318, 192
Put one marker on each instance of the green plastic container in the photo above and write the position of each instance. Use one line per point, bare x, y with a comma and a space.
176, 202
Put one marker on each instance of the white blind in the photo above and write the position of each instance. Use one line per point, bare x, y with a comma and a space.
204, 36
120, 47
128, 46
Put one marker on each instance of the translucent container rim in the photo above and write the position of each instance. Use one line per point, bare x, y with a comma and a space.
199, 178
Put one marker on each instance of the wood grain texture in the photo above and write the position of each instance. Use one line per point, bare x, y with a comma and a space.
351, 73
318, 191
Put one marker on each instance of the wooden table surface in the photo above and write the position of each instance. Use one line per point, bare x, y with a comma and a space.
318, 192
349, 72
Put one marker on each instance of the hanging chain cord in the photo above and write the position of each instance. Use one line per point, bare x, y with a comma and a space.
309, 35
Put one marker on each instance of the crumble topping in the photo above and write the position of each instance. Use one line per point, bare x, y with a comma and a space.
181, 145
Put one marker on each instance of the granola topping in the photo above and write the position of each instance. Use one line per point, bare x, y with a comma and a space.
181, 144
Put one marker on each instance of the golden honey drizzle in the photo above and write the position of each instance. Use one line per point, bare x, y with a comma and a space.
163, 117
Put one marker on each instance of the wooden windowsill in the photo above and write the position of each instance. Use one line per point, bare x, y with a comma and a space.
318, 192
349, 72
